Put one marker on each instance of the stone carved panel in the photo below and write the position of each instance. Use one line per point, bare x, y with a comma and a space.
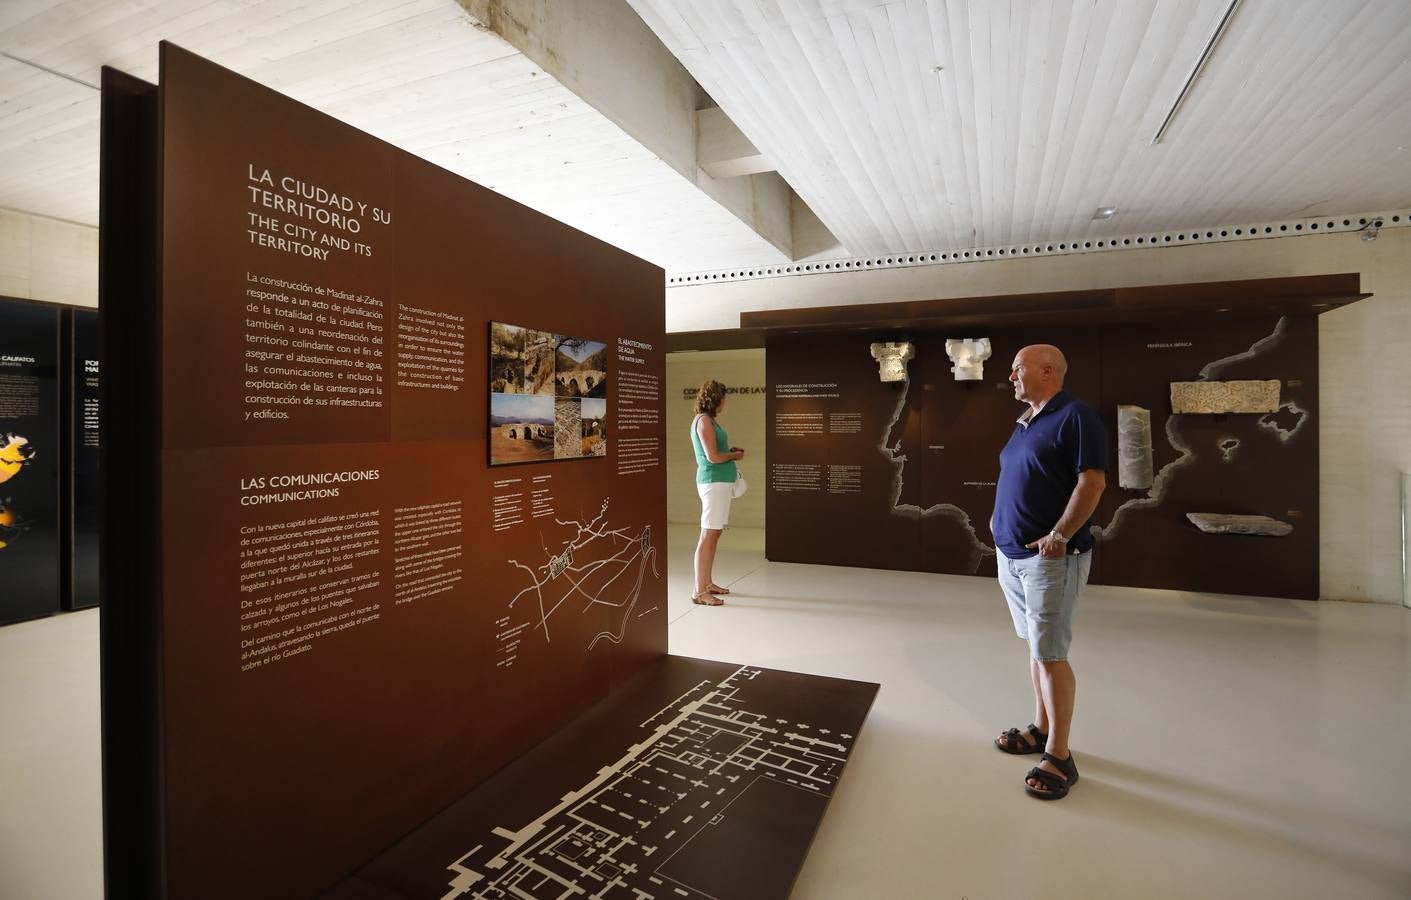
892, 359
969, 357
1219, 523
1225, 396
1134, 466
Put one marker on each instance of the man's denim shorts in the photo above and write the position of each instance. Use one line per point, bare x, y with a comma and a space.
1042, 595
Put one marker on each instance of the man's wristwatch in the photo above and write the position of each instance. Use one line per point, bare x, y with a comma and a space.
1054, 535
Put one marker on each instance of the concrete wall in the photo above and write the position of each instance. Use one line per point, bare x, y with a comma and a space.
1365, 366
48, 259
742, 418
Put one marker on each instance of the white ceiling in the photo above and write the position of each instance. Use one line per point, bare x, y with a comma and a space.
417, 73
1041, 112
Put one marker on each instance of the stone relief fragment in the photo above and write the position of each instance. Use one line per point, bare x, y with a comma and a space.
892, 359
968, 356
1225, 396
1134, 465
1220, 523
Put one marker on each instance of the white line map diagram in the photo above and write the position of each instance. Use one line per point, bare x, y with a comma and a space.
582, 574
617, 835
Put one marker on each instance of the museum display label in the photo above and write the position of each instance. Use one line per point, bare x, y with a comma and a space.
87, 453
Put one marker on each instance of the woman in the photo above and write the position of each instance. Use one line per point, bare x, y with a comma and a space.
715, 479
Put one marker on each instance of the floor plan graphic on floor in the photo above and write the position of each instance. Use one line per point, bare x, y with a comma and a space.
700, 780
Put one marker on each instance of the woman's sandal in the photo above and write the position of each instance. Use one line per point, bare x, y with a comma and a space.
1057, 786
706, 598
1014, 741
718, 590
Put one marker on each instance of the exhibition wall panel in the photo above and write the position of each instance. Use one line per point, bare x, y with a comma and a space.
31, 460
1362, 448
358, 619
742, 373
902, 475
1262, 464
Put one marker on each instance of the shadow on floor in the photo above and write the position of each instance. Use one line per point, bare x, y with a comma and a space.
1144, 801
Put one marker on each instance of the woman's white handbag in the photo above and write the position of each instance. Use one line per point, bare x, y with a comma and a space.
739, 488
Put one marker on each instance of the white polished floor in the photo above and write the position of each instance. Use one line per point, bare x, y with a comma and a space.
51, 830
1229, 747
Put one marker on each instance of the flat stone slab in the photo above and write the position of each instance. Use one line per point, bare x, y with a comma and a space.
1220, 523
1225, 396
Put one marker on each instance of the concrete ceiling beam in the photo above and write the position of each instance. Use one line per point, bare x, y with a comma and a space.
722, 149
607, 56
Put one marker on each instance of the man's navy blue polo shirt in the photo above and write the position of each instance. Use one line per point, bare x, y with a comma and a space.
1038, 470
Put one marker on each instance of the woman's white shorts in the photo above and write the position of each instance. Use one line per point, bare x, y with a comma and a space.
715, 504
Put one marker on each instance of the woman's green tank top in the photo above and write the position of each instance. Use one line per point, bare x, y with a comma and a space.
708, 472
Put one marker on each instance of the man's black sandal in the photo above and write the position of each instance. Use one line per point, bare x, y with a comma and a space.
1014, 741
1057, 787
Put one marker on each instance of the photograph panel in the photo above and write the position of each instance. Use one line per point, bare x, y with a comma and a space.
580, 368
540, 348
548, 396
506, 359
568, 428
595, 426
521, 428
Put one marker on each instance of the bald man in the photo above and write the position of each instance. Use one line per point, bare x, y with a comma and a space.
1051, 477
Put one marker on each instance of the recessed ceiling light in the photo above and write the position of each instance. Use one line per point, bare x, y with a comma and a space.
1105, 212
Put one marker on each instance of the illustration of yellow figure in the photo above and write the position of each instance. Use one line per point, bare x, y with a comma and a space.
9, 525
15, 453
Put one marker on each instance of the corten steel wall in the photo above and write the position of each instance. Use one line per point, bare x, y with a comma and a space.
281, 771
927, 482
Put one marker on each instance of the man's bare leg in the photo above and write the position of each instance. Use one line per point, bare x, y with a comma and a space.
1059, 689
1041, 717
1040, 711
